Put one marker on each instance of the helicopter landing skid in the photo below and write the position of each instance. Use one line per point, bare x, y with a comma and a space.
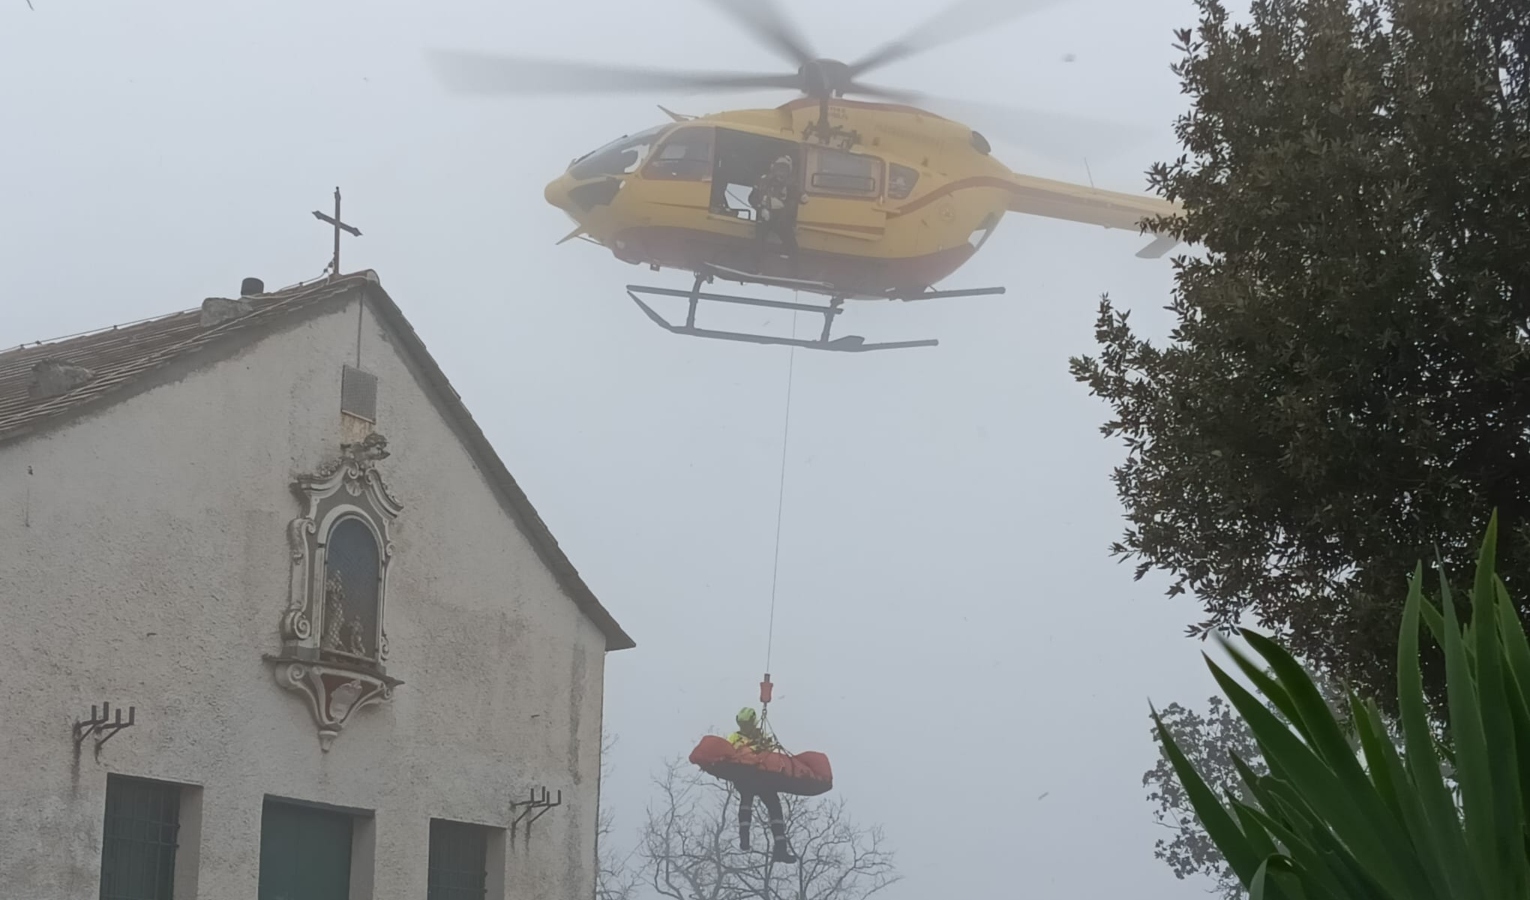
847, 344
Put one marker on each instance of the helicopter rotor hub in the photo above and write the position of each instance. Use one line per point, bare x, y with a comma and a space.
825, 78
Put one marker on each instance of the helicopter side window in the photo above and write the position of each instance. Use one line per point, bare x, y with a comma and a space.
845, 174
685, 156
620, 157
900, 181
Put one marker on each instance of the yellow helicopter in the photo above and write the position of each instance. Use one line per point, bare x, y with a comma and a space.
891, 198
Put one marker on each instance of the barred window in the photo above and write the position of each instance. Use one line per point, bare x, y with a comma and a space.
352, 581
139, 839
458, 861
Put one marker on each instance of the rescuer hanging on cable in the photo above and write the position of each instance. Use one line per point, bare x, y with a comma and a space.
752, 735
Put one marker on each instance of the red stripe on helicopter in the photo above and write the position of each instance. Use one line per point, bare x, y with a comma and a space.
946, 190
829, 226
840, 226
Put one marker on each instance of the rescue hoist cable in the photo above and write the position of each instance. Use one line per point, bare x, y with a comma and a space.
775, 575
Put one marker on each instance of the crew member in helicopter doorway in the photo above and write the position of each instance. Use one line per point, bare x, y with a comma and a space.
775, 199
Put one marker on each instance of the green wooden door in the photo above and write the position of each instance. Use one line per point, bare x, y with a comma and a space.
305, 853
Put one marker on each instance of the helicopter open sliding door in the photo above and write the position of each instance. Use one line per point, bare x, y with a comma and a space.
844, 193
742, 159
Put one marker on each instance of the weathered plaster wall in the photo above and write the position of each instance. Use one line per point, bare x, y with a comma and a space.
144, 561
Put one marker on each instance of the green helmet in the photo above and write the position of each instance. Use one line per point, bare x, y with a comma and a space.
745, 717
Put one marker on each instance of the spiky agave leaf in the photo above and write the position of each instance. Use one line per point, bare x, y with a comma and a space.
1344, 820
1241, 853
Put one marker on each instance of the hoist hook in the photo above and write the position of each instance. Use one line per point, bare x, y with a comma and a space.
765, 692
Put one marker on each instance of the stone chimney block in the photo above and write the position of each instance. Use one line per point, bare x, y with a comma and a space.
217, 310
52, 377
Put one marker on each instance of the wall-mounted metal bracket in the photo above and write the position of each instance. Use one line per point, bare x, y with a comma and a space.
102, 723
535, 804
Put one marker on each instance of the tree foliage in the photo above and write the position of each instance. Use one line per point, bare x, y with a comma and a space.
1347, 385
689, 847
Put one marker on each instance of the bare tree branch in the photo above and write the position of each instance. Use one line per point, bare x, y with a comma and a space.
615, 878
690, 852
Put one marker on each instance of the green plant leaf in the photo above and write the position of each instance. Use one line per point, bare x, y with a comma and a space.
1445, 832
1320, 728
1272, 690
1473, 768
1259, 838
1268, 883
1338, 818
1376, 844
1294, 845
1500, 754
1220, 826
1284, 814
1517, 682
1256, 887
1392, 781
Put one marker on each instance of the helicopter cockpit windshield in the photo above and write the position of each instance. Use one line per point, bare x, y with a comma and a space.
620, 157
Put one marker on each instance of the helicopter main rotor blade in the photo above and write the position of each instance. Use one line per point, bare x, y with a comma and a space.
960, 19
1057, 136
769, 24
909, 98
486, 73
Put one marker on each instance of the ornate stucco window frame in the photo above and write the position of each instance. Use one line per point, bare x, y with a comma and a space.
335, 683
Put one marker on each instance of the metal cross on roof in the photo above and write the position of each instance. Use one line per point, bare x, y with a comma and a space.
334, 263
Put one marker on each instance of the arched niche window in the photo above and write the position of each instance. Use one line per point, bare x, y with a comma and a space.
334, 631
341, 550
352, 590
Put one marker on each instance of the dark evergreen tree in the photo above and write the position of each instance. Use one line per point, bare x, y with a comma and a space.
1347, 387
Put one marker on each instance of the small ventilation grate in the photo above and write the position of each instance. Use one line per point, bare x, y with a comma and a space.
358, 394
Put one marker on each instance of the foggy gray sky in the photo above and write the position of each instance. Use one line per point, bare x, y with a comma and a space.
944, 583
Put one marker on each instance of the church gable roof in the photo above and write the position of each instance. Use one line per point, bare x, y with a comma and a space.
105, 365
46, 384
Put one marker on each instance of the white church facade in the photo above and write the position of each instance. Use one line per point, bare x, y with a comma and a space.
277, 623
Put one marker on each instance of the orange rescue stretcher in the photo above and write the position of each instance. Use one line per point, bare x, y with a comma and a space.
804, 774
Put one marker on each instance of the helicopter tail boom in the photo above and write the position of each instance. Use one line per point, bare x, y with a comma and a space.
1092, 206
